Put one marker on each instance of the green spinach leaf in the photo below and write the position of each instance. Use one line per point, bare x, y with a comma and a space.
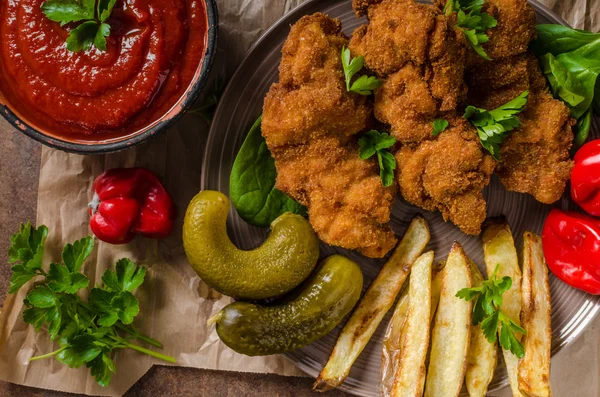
570, 60
252, 183
558, 39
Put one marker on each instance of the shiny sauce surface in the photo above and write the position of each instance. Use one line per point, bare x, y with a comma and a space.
153, 52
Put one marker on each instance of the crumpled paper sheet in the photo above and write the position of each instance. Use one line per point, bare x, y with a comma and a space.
175, 304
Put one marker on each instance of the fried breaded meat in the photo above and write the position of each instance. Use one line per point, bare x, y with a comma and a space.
428, 71
448, 175
310, 122
420, 58
535, 158
405, 33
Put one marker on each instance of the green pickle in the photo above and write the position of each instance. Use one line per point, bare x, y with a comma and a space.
280, 264
320, 304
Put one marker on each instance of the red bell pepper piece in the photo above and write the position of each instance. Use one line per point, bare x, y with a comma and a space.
572, 249
585, 178
130, 201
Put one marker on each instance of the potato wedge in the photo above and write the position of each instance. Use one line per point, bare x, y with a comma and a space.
409, 378
499, 249
451, 333
534, 367
392, 340
483, 355
392, 343
376, 302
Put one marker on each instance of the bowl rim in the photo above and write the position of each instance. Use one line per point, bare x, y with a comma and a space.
188, 99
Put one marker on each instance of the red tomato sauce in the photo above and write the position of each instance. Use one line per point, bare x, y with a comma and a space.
153, 53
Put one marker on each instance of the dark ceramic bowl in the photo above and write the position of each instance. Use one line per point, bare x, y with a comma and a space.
162, 124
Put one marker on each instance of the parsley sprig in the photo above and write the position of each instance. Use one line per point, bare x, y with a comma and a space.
86, 332
364, 85
93, 14
439, 126
375, 143
474, 24
493, 126
486, 311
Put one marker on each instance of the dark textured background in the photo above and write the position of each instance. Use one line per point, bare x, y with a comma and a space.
19, 171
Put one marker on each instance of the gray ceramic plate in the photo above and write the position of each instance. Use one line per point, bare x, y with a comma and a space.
242, 103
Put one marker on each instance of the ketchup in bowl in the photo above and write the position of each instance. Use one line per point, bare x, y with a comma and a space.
152, 55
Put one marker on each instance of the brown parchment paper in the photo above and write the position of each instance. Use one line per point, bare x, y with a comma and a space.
175, 304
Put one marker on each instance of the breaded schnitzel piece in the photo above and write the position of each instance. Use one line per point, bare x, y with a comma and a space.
310, 99
404, 31
514, 31
492, 84
535, 158
421, 60
310, 122
404, 102
347, 203
515, 28
448, 175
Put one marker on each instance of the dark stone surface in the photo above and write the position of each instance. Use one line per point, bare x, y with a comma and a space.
19, 171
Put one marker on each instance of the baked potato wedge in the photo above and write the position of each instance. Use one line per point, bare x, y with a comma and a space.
483, 355
499, 249
376, 302
409, 378
392, 340
452, 329
534, 367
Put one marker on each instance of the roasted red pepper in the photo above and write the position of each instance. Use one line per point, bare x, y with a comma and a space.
572, 249
130, 201
585, 178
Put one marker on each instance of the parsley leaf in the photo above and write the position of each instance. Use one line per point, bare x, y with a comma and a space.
27, 247
61, 279
364, 85
93, 30
67, 11
75, 254
86, 332
114, 306
486, 311
82, 37
42, 297
493, 126
128, 276
126, 306
35, 316
101, 35
81, 349
474, 24
439, 126
375, 142
102, 368
105, 8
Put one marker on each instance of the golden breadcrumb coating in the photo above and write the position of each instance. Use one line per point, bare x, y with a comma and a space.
404, 31
404, 102
421, 59
310, 99
448, 175
535, 158
515, 28
310, 122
